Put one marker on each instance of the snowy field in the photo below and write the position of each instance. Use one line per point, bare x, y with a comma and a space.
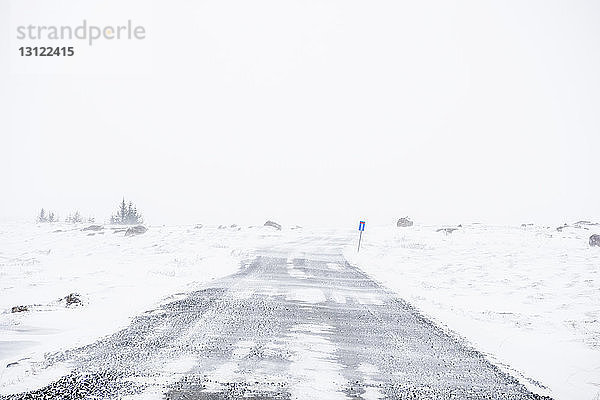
528, 298
116, 276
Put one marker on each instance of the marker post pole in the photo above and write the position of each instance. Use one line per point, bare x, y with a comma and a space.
361, 228
359, 239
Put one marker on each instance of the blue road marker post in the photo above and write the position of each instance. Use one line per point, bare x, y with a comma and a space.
361, 228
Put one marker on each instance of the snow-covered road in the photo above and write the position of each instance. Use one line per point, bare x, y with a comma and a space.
286, 325
524, 297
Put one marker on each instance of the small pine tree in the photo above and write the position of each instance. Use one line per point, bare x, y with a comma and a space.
51, 217
130, 212
42, 216
123, 212
74, 218
127, 214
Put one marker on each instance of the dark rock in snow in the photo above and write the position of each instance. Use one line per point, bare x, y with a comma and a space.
71, 299
198, 226
583, 225
560, 228
91, 234
273, 224
93, 228
19, 309
136, 230
447, 230
590, 223
595, 240
404, 222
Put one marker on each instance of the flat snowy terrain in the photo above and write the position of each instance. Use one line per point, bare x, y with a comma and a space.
117, 277
527, 298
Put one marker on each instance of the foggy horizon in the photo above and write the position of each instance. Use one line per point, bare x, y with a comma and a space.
447, 114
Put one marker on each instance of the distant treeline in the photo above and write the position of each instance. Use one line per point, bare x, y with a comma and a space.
127, 214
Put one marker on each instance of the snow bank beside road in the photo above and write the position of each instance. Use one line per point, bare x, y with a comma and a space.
116, 276
528, 297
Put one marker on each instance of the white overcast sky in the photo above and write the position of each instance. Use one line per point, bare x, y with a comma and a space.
314, 112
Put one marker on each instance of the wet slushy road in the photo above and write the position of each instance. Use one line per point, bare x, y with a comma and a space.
282, 327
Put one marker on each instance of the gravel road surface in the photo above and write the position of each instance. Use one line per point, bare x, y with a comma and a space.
284, 326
